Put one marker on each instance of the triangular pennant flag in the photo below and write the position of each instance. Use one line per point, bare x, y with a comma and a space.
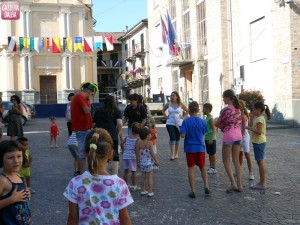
78, 44
47, 43
36, 44
42, 44
70, 44
12, 46
56, 45
26, 42
88, 44
109, 43
21, 40
31, 48
98, 43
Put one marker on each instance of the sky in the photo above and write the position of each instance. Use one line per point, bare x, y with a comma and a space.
115, 15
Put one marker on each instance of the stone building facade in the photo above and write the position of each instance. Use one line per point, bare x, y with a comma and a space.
46, 77
242, 45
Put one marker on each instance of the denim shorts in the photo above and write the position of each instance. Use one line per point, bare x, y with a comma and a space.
74, 151
81, 135
259, 151
239, 142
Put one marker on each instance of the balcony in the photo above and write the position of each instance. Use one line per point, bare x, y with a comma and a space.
130, 55
135, 78
109, 64
139, 50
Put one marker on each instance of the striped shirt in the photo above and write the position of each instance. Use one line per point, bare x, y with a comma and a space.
129, 148
73, 140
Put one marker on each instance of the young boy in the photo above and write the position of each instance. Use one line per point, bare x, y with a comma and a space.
193, 130
210, 138
24, 171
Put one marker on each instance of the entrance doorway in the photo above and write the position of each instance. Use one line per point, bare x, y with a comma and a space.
188, 93
48, 91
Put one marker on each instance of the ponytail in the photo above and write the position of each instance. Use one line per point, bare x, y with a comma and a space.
230, 94
235, 102
267, 111
263, 108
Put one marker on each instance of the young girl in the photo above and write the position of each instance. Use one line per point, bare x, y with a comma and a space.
245, 148
54, 131
154, 134
129, 156
259, 140
96, 197
13, 191
145, 157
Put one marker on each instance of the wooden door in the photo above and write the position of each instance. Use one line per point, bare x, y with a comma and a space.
48, 91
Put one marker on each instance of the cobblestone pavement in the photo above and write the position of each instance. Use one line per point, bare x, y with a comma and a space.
279, 204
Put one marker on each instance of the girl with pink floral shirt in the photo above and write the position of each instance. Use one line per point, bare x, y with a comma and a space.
96, 197
229, 122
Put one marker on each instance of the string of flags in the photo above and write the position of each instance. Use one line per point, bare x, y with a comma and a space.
60, 45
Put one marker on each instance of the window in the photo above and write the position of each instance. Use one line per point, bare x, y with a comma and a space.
175, 85
133, 47
258, 39
108, 80
142, 42
201, 29
172, 9
204, 88
187, 36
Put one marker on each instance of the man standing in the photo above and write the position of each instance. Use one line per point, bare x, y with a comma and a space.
81, 118
134, 113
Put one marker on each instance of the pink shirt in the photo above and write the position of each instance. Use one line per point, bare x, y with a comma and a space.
229, 122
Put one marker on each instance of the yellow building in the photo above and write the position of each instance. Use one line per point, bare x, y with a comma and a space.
40, 75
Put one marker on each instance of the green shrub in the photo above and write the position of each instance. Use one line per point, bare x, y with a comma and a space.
250, 97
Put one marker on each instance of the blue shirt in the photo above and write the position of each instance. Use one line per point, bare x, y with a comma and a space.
194, 129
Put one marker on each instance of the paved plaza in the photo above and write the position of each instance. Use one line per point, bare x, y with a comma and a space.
279, 204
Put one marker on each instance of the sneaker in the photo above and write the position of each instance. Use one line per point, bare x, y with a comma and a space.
144, 192
51, 146
56, 146
251, 176
211, 171
192, 195
32, 191
135, 188
150, 194
207, 191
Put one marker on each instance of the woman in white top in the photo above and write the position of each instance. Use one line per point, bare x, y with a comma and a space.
176, 113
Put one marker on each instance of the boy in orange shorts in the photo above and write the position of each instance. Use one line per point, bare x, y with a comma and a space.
193, 130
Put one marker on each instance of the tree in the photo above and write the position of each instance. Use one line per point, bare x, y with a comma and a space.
250, 97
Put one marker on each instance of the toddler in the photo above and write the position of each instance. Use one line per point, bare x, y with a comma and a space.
54, 131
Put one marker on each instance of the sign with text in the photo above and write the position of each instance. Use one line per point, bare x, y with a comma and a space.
10, 10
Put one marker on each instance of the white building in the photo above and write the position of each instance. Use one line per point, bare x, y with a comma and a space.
250, 45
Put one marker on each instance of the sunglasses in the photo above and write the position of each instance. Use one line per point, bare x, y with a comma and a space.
13, 99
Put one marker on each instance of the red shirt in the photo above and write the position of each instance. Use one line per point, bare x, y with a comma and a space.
80, 121
153, 134
54, 130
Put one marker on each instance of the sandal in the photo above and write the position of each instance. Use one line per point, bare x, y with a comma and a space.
192, 195
258, 186
231, 189
238, 190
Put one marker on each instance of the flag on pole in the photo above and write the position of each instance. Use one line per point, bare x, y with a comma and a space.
172, 37
70, 44
24, 43
12, 46
109, 43
98, 43
56, 45
78, 44
164, 31
88, 44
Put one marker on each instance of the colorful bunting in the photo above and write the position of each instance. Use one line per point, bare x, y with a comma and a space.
12, 46
98, 43
109, 43
56, 45
78, 44
70, 44
88, 44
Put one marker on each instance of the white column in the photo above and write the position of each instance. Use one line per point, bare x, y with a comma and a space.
70, 73
23, 77
10, 72
30, 72
62, 23
69, 23
65, 75
82, 69
81, 23
28, 23
22, 22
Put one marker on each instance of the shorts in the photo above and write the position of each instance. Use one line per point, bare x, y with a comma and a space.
74, 151
54, 135
129, 164
197, 158
24, 172
81, 135
239, 142
259, 151
211, 149
245, 144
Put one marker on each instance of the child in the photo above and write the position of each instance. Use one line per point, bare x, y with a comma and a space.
14, 194
154, 134
259, 140
129, 157
24, 171
54, 131
96, 197
245, 148
210, 138
145, 156
193, 130
73, 147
